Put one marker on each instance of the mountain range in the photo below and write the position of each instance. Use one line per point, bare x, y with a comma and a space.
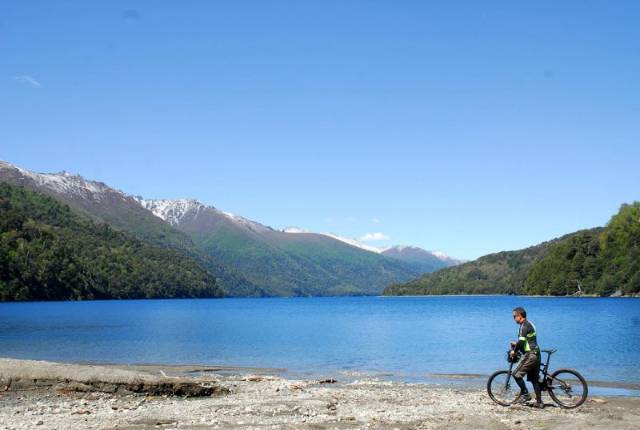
247, 258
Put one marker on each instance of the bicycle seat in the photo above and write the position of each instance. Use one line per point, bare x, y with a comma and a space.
549, 351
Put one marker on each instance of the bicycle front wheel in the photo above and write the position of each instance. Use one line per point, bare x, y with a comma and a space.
568, 388
502, 388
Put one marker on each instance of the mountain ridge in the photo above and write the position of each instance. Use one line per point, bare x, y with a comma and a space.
288, 263
123, 212
249, 257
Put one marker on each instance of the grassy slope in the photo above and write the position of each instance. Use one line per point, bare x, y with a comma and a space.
284, 264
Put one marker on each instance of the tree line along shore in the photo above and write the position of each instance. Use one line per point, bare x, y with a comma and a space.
599, 262
50, 251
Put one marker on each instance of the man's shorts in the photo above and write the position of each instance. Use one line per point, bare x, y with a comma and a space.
529, 365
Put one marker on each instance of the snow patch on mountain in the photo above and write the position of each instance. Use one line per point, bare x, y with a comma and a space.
174, 211
65, 183
294, 230
401, 248
245, 222
352, 242
171, 211
441, 255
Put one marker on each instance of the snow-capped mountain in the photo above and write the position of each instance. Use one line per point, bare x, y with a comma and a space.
99, 201
182, 211
172, 211
63, 183
254, 258
124, 212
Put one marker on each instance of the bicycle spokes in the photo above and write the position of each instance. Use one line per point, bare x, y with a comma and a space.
502, 388
568, 388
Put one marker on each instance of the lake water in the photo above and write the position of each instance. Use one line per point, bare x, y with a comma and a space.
408, 338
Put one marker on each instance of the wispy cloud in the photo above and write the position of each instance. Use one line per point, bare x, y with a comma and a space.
131, 15
371, 237
375, 220
27, 80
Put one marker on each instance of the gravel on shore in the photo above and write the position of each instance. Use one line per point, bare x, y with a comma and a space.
265, 401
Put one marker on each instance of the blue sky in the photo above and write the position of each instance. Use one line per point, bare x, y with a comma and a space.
469, 127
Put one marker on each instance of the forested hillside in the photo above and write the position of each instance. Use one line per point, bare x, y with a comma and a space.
600, 261
49, 252
500, 273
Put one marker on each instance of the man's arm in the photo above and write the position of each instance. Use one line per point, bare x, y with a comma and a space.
525, 330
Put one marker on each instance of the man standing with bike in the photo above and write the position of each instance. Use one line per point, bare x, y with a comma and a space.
566, 387
530, 363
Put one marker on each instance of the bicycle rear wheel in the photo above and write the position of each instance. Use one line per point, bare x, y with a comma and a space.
568, 388
502, 388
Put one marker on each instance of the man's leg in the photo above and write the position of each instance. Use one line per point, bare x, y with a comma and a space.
518, 376
537, 390
523, 369
524, 395
536, 384
522, 385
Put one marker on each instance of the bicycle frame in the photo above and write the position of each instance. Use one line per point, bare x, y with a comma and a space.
544, 372
544, 379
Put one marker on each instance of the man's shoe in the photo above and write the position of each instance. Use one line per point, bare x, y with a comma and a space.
522, 398
538, 405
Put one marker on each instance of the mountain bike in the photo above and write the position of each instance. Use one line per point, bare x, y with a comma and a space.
565, 386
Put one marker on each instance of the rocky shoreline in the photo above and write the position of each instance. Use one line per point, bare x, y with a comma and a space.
43, 395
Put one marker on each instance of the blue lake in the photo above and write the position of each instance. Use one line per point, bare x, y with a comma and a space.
408, 338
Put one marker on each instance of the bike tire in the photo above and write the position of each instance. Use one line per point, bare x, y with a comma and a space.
501, 388
562, 391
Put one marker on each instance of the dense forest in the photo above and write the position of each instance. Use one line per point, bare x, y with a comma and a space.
601, 261
49, 252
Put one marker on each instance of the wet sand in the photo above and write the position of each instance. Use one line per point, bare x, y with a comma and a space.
46, 395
